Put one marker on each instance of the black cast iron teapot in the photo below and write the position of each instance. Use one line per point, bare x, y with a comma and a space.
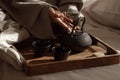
78, 40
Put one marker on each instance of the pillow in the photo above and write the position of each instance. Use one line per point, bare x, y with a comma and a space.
104, 12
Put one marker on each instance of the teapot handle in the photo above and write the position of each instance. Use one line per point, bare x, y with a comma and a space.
79, 22
83, 23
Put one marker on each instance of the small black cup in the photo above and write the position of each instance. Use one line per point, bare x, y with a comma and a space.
61, 52
41, 47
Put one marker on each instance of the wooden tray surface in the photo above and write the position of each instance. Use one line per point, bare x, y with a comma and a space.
98, 54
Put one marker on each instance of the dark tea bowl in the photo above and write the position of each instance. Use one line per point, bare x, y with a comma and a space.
61, 52
41, 47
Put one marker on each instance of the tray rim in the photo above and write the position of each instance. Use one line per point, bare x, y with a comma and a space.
27, 66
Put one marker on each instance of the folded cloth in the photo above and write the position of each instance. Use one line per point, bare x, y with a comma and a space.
14, 33
2, 15
33, 14
11, 55
11, 34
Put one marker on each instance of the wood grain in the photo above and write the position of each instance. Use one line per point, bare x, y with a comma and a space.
95, 55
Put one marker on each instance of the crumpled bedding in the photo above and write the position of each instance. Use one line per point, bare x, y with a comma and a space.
11, 56
11, 33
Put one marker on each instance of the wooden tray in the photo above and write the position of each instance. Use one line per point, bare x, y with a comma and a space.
91, 57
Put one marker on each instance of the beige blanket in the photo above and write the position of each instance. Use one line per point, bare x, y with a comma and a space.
33, 15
